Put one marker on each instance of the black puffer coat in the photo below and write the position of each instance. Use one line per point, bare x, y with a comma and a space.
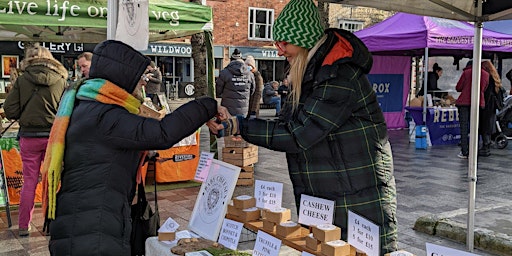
103, 145
235, 85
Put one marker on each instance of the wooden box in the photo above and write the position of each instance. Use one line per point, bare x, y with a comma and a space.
269, 227
288, 229
232, 210
240, 156
278, 215
245, 182
326, 232
166, 236
313, 243
336, 248
235, 142
244, 202
250, 214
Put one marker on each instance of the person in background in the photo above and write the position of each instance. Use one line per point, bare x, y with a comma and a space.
271, 96
255, 98
509, 77
487, 121
463, 103
104, 137
235, 85
283, 90
432, 78
84, 62
33, 101
154, 77
331, 127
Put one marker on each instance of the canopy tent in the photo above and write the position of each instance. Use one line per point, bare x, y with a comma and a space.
501, 26
80, 21
410, 34
476, 11
406, 34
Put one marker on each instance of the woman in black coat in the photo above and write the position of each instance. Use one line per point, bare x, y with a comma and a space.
103, 143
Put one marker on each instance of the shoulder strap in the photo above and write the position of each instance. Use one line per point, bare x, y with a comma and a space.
26, 103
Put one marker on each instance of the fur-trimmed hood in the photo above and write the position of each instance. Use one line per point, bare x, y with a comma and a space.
37, 70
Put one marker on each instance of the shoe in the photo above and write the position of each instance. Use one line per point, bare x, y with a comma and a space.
460, 155
24, 231
484, 152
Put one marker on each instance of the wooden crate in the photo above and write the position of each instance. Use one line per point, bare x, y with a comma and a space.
235, 142
240, 156
245, 182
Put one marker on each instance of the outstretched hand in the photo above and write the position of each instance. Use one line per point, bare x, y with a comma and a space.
215, 124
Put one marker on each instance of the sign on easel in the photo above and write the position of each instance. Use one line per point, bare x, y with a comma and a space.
268, 195
315, 211
363, 234
213, 199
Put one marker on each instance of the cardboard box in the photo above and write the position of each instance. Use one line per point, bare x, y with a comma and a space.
313, 243
399, 253
232, 210
166, 236
278, 215
269, 227
146, 111
327, 232
246, 175
248, 168
250, 214
244, 202
288, 229
336, 248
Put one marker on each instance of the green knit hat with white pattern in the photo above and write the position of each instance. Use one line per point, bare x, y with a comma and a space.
298, 24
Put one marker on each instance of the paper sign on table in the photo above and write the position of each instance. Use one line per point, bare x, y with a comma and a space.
169, 225
434, 249
269, 195
363, 234
266, 245
230, 233
205, 160
315, 211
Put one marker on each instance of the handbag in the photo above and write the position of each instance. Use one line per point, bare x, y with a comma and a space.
145, 221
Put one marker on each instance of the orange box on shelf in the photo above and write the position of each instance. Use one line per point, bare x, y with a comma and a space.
250, 214
336, 248
288, 229
268, 226
244, 202
278, 215
313, 243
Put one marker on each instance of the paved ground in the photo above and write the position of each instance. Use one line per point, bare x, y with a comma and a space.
430, 182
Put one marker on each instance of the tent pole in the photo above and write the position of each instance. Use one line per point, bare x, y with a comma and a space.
473, 131
425, 82
113, 11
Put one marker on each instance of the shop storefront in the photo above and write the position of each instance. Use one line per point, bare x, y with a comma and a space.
272, 66
12, 53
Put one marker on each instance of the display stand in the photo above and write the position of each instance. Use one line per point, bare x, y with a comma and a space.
297, 243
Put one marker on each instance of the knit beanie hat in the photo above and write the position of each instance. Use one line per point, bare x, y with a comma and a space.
118, 63
298, 24
236, 55
250, 61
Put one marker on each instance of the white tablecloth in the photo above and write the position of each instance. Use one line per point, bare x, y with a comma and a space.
163, 248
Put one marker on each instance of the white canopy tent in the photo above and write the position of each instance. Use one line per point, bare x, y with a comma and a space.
477, 11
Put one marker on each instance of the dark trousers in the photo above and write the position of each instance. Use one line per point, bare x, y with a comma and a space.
464, 128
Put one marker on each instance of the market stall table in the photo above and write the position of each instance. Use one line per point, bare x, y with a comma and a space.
442, 123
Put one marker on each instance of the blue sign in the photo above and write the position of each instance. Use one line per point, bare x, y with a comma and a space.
389, 90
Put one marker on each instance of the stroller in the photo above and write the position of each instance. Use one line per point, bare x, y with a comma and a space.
503, 124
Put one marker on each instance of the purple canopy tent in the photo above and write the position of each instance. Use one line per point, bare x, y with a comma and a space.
409, 34
413, 35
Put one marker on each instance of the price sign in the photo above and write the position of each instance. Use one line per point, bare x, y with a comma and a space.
315, 211
268, 195
205, 160
230, 233
266, 245
363, 234
433, 249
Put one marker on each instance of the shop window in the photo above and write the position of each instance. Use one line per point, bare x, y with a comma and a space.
350, 25
260, 23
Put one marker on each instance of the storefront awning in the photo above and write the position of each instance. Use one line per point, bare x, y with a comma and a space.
85, 21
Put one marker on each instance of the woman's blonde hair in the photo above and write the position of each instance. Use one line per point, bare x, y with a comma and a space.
489, 67
297, 69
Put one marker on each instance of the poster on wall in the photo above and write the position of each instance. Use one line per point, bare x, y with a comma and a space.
213, 198
9, 64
